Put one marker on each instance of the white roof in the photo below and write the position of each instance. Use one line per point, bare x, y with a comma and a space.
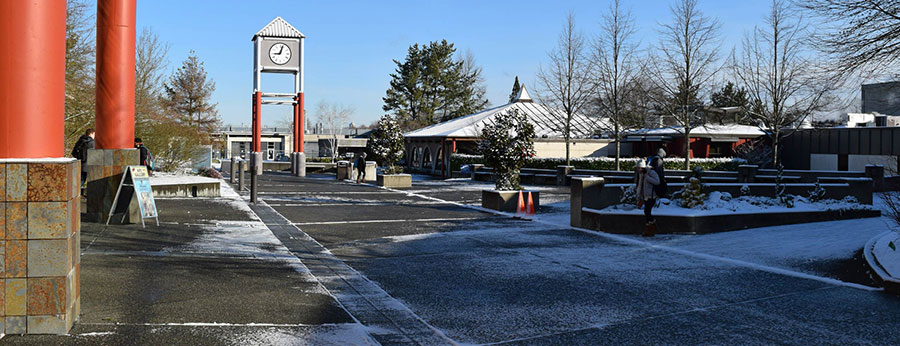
546, 122
278, 27
732, 130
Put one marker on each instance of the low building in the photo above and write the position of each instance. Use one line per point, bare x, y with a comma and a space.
873, 119
428, 149
705, 141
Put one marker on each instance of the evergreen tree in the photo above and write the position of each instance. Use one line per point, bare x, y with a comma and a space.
730, 96
431, 85
515, 90
188, 96
506, 144
386, 144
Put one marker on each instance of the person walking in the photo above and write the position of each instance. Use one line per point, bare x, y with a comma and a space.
662, 189
648, 180
361, 168
79, 151
146, 159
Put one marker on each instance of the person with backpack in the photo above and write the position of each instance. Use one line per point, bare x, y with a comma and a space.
146, 159
361, 168
647, 183
79, 151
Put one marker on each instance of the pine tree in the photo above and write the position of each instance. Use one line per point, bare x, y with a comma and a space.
506, 144
188, 96
730, 96
386, 144
692, 195
780, 195
515, 90
431, 85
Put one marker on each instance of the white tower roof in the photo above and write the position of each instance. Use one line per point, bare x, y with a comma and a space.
523, 95
278, 27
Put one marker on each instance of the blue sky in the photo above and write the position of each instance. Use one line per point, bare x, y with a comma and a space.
350, 44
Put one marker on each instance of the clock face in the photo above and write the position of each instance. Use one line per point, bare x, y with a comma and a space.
280, 53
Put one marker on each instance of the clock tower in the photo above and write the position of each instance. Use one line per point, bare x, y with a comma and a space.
278, 48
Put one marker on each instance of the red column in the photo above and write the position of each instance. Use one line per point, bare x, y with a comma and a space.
257, 123
299, 122
32, 78
115, 73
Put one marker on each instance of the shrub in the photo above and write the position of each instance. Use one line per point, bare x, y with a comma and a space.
604, 163
505, 144
386, 144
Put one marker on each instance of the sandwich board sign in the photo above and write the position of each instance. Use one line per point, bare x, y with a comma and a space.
135, 182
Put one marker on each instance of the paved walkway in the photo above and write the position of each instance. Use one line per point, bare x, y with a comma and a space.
321, 261
476, 277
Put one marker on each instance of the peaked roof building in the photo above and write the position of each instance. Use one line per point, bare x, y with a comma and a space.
547, 122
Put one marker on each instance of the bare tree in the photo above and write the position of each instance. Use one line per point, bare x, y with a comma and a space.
784, 84
334, 117
80, 74
689, 51
150, 63
617, 69
566, 84
864, 35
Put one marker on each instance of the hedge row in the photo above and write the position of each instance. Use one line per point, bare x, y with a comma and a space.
606, 163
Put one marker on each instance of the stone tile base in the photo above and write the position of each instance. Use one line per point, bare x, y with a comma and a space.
104, 168
40, 240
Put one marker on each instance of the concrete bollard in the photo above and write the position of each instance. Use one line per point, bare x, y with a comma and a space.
241, 168
562, 174
747, 173
584, 192
876, 173
475, 168
232, 170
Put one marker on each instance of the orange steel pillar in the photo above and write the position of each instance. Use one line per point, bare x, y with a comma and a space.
32, 78
115, 73
299, 122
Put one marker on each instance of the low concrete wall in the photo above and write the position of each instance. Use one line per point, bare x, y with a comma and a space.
210, 189
395, 181
634, 223
507, 201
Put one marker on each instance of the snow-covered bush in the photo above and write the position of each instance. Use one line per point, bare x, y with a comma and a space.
780, 195
505, 144
745, 190
692, 195
386, 144
817, 193
629, 195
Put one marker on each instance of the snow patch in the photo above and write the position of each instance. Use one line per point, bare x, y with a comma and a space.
888, 258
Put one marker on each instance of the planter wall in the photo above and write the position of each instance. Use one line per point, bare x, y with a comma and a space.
630, 223
395, 181
507, 201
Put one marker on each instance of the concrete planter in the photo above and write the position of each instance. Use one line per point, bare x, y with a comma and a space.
395, 181
633, 223
507, 201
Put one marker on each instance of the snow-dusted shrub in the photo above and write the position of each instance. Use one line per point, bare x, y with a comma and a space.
745, 190
505, 144
780, 195
629, 195
817, 193
386, 144
692, 195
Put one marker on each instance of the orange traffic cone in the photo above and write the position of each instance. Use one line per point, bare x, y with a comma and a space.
521, 208
530, 204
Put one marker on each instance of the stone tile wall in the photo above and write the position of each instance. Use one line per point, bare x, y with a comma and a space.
40, 242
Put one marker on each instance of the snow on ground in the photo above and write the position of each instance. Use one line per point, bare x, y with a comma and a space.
887, 257
802, 247
340, 334
164, 178
722, 204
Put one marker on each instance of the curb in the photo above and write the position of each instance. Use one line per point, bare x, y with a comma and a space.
890, 283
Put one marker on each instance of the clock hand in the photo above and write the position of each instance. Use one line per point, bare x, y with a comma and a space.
280, 50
